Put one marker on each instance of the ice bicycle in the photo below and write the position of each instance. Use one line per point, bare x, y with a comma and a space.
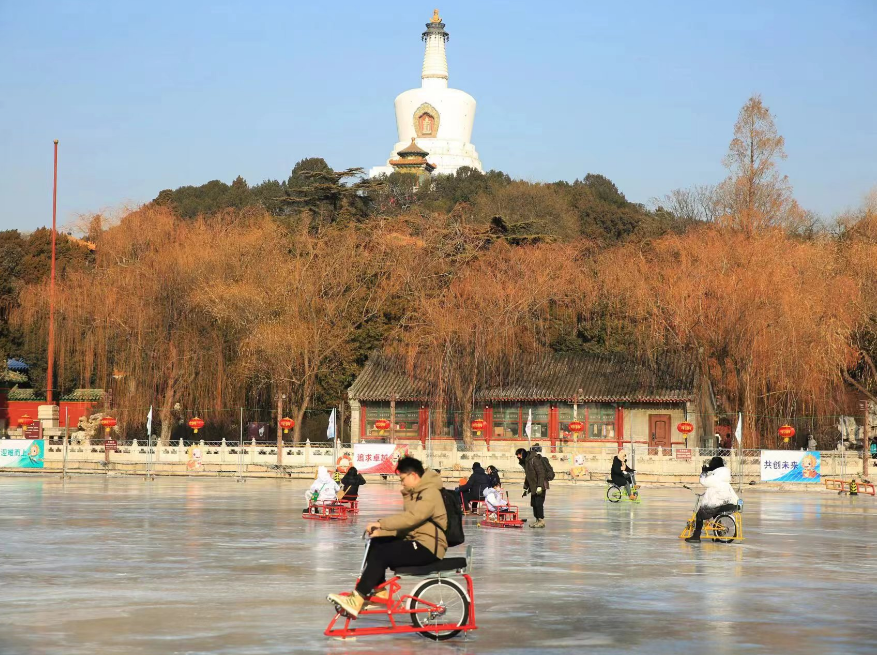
615, 493
723, 528
440, 606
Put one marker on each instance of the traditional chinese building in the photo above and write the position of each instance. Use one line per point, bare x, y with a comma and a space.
609, 401
412, 160
18, 399
439, 118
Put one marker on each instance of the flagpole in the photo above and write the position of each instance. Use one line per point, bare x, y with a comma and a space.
51, 353
241, 450
529, 428
149, 446
739, 434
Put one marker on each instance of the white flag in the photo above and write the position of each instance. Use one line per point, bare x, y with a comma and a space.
149, 423
528, 429
330, 430
738, 433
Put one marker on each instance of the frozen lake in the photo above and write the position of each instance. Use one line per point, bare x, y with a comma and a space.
95, 566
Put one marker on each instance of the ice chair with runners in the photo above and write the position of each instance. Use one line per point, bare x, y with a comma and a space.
325, 510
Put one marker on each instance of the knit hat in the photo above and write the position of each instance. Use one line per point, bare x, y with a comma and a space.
715, 463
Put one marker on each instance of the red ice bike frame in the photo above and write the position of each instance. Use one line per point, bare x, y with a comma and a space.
439, 607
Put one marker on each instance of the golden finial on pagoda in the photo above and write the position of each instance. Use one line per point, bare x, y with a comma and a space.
435, 16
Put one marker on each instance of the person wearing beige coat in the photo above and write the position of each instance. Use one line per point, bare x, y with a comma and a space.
414, 537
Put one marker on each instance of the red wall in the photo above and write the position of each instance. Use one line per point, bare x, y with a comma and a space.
13, 410
16, 409
75, 412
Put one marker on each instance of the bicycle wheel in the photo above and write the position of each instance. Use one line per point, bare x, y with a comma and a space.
613, 493
445, 594
725, 528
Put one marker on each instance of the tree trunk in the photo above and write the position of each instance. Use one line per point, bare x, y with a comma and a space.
438, 419
299, 417
468, 441
165, 413
302, 407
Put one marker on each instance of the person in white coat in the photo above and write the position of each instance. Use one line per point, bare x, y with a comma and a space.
719, 497
494, 500
323, 489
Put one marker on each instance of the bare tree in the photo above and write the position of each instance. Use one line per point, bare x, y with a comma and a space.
755, 196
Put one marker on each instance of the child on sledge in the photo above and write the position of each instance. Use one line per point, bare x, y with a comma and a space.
322, 490
494, 501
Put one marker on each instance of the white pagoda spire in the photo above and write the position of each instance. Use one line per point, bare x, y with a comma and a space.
433, 118
435, 62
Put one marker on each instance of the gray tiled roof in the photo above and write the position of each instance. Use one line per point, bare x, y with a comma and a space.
551, 376
27, 395
34, 395
12, 376
83, 395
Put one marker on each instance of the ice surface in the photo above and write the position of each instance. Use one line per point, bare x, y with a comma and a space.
98, 566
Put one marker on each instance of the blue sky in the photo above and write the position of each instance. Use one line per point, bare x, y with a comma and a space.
147, 96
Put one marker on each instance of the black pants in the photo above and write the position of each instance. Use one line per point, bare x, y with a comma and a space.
390, 552
537, 502
469, 496
710, 513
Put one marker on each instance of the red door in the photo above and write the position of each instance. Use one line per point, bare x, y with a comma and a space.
659, 433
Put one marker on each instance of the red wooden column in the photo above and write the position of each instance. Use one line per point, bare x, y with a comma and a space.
362, 422
553, 426
488, 424
423, 425
619, 427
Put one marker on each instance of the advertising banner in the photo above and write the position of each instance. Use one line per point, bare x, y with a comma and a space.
790, 466
18, 453
377, 458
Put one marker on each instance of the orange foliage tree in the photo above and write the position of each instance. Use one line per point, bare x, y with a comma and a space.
471, 330
769, 316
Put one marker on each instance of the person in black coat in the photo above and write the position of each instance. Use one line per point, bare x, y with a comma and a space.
493, 481
475, 486
622, 474
351, 482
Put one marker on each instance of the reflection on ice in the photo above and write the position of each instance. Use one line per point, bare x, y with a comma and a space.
97, 565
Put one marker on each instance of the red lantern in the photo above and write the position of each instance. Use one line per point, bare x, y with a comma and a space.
196, 424
685, 427
108, 422
24, 420
287, 424
576, 426
786, 432
382, 424
478, 425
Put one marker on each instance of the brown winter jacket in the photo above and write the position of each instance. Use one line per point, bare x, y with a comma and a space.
422, 505
534, 472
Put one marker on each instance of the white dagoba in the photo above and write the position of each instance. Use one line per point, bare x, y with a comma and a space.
437, 118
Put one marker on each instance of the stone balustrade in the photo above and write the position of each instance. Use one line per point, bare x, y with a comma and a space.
260, 460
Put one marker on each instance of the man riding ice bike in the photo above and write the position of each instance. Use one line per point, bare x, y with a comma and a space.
415, 537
